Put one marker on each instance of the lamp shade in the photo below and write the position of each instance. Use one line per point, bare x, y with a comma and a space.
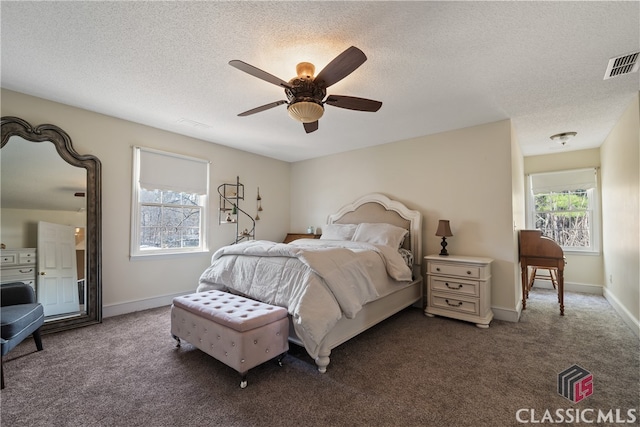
305, 111
443, 228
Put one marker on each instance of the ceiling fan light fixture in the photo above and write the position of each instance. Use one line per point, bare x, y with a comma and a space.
305, 111
305, 93
562, 138
305, 70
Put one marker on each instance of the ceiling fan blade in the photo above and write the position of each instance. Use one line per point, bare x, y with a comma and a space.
311, 127
341, 66
262, 108
257, 72
353, 103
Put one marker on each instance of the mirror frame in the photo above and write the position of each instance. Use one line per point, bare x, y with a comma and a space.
14, 126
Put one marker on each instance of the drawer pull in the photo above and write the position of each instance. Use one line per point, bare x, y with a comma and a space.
468, 272
26, 271
453, 305
451, 287
437, 268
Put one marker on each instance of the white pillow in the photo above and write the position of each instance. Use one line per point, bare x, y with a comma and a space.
338, 231
380, 234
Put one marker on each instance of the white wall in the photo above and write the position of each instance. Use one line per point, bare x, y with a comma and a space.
584, 270
20, 226
463, 176
620, 157
130, 285
518, 206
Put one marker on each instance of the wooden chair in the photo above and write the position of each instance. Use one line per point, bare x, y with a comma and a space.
552, 276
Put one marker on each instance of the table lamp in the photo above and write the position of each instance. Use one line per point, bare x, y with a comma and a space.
444, 231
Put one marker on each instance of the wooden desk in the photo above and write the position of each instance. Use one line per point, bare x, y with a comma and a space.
542, 252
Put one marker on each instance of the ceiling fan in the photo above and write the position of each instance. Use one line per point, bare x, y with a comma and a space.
306, 93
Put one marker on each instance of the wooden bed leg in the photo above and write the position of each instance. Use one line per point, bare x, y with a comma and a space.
322, 361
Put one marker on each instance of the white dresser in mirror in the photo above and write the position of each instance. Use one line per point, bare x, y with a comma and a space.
19, 265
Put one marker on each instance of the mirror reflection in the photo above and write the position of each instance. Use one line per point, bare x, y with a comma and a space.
42, 229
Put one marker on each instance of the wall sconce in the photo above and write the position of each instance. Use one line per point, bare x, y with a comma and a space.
444, 231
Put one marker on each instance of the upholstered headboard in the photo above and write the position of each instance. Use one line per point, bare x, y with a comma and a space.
378, 208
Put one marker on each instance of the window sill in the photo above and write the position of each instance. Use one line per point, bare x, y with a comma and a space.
160, 255
585, 253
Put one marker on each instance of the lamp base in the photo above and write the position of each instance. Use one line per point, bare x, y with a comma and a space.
444, 252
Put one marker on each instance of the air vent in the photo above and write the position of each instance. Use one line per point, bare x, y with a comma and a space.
622, 65
193, 123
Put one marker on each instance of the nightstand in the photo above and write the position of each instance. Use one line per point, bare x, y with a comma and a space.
459, 287
290, 237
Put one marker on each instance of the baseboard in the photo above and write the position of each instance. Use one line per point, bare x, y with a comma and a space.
133, 306
584, 288
499, 313
626, 316
507, 314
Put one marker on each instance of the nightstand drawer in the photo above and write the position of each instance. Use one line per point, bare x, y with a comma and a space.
461, 305
27, 258
18, 273
457, 287
9, 259
454, 270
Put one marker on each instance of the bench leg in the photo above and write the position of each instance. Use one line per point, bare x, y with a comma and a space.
282, 356
177, 340
243, 375
243, 381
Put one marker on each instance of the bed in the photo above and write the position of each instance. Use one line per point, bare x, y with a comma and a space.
364, 269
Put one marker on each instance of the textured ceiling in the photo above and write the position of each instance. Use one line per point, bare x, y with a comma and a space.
436, 66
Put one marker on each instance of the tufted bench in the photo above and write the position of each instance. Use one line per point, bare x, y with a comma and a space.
238, 331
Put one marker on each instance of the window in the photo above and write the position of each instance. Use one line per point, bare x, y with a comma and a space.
564, 207
170, 194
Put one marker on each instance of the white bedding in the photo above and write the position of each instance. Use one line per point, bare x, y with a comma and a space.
318, 281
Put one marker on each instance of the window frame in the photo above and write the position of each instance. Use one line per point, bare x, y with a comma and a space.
593, 208
136, 209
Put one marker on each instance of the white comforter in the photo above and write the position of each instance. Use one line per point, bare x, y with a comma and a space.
318, 281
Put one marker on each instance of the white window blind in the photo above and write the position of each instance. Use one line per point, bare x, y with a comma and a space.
169, 203
564, 206
571, 180
160, 170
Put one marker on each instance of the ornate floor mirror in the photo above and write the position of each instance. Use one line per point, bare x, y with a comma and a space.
51, 209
